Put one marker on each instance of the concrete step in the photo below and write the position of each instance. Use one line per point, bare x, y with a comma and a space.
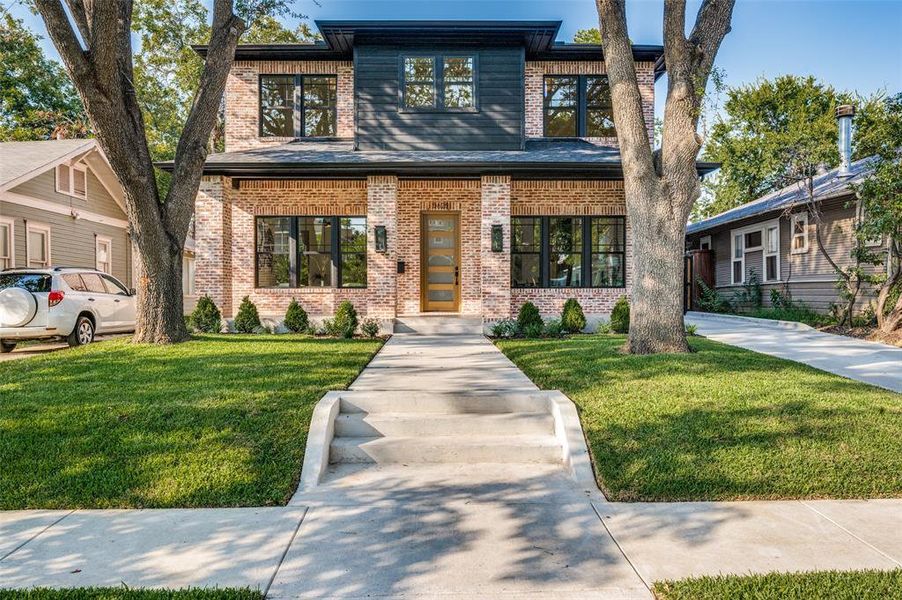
463, 425
446, 449
439, 325
487, 402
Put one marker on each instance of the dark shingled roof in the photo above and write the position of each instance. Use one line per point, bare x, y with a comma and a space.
828, 185
339, 157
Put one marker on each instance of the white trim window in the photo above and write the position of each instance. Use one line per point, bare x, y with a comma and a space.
103, 254
72, 180
799, 243
7, 243
772, 252
737, 265
704, 243
37, 245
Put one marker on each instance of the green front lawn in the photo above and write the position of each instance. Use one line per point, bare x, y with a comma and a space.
124, 593
218, 421
823, 585
721, 423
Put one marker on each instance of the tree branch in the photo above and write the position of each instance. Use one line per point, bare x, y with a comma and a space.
63, 36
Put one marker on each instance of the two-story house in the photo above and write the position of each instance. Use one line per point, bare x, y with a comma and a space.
419, 167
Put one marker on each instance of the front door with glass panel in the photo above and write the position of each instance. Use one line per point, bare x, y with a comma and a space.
441, 262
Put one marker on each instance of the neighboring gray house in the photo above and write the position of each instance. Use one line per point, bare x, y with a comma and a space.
62, 205
774, 237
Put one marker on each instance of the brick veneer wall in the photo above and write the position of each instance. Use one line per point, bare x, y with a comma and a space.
242, 98
382, 209
418, 196
535, 74
573, 198
212, 241
496, 269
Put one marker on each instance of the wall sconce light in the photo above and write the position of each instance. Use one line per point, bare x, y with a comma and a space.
381, 239
497, 238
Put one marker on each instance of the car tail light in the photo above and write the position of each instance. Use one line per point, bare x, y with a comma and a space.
55, 297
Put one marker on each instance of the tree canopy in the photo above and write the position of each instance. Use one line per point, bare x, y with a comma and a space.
37, 100
587, 36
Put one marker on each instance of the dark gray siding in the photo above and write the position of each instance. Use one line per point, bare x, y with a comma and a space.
497, 125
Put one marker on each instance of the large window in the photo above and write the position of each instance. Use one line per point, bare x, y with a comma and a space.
578, 106
445, 83
310, 252
298, 105
103, 254
762, 241
568, 252
37, 246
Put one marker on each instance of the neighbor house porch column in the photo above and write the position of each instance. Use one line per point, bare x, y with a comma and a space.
495, 266
213, 242
382, 211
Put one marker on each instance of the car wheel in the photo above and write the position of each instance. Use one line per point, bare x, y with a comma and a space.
7, 347
83, 333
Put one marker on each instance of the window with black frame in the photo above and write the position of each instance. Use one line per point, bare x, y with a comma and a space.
568, 252
457, 76
438, 83
419, 82
578, 106
298, 105
526, 252
311, 252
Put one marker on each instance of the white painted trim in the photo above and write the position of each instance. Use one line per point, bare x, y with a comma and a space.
88, 146
73, 168
61, 209
761, 227
705, 239
102, 239
11, 223
41, 228
768, 253
799, 216
113, 188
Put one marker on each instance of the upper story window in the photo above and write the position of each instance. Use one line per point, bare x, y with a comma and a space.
294, 106
72, 180
438, 83
578, 106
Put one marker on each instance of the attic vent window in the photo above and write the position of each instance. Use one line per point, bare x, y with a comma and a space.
438, 83
72, 180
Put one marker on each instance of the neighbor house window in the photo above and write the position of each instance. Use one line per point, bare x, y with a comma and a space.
72, 180
799, 243
294, 106
438, 83
738, 261
188, 275
310, 252
578, 106
37, 245
7, 243
103, 254
568, 252
772, 253
762, 239
705, 243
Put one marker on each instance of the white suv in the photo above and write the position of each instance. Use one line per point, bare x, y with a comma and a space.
61, 302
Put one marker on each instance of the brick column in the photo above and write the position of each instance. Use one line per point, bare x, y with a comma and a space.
495, 266
382, 209
213, 242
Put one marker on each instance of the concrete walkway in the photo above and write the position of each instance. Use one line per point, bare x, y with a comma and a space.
444, 530
870, 362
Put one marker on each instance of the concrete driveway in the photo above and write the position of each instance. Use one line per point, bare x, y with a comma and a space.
869, 362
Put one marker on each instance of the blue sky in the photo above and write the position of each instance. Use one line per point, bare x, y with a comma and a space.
850, 44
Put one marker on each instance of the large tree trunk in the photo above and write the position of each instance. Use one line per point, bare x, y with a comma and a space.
100, 66
661, 186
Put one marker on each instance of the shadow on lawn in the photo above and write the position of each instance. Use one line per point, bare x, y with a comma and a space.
205, 423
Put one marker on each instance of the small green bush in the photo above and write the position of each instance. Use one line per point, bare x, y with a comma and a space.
603, 328
505, 329
620, 316
572, 318
248, 319
345, 322
296, 319
710, 301
206, 316
691, 329
529, 321
553, 328
370, 327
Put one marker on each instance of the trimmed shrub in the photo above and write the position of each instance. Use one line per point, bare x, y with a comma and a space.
603, 328
553, 328
296, 320
505, 328
369, 327
620, 316
529, 321
345, 322
206, 316
248, 319
572, 318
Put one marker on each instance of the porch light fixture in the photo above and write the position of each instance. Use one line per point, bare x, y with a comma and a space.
497, 238
381, 239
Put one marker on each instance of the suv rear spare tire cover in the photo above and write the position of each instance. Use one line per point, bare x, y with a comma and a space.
17, 307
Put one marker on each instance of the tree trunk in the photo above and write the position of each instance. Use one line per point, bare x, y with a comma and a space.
160, 310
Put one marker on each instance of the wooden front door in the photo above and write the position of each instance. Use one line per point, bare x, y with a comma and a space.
440, 287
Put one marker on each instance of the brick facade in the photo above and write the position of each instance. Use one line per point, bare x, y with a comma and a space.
495, 271
242, 99
535, 84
